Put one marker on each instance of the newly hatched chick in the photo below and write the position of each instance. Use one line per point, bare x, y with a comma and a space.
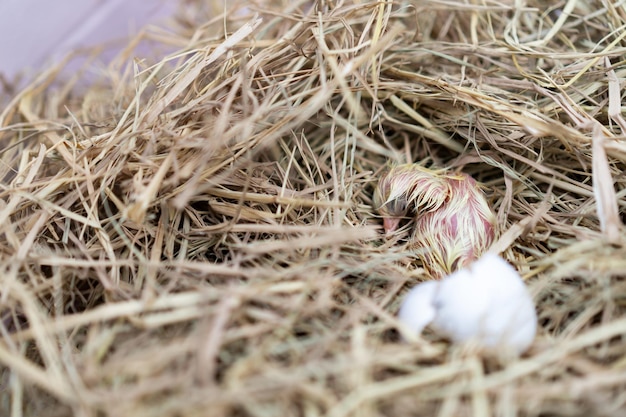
486, 303
453, 225
404, 189
459, 232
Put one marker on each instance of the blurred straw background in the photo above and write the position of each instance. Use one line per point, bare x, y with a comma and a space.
194, 235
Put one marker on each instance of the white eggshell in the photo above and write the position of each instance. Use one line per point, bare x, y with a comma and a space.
417, 310
486, 303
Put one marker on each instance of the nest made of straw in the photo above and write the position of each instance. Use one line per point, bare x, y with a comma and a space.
194, 236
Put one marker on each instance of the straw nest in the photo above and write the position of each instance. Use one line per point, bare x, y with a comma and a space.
194, 236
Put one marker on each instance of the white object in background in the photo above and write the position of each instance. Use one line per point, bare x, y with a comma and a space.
34, 32
486, 303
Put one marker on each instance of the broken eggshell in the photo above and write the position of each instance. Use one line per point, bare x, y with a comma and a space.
486, 304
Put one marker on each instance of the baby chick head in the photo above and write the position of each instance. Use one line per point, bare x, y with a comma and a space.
403, 189
390, 198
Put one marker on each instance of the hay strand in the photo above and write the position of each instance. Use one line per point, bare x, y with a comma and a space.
194, 234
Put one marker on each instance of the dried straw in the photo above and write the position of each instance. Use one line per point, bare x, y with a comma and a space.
194, 236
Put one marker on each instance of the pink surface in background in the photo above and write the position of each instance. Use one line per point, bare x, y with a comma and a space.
35, 33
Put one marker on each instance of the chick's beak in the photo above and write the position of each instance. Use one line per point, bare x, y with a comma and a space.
391, 224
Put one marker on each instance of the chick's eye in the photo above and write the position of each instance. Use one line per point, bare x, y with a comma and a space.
397, 206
